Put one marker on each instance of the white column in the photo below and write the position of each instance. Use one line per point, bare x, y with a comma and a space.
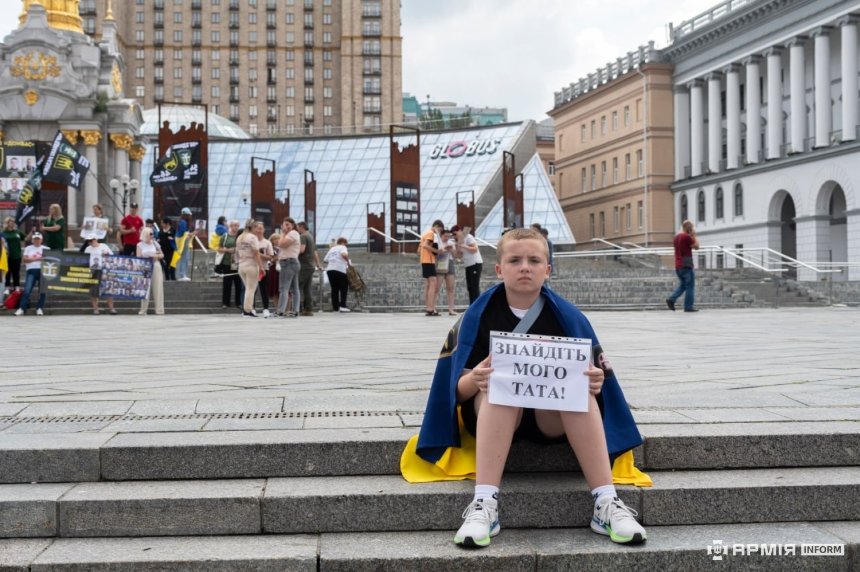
121, 167
72, 208
849, 78
753, 105
797, 93
823, 121
682, 131
697, 127
733, 115
774, 102
91, 185
715, 121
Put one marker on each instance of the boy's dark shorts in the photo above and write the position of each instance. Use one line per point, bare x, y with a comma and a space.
528, 429
428, 270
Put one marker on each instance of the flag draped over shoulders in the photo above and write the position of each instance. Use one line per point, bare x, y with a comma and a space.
439, 442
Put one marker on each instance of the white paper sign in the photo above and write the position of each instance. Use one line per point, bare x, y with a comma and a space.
540, 372
94, 227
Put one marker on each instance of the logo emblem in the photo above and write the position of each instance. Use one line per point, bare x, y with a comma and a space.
50, 268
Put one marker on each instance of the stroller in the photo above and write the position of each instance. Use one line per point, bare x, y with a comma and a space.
356, 285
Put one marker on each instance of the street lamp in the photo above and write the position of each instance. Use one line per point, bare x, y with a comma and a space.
129, 189
245, 197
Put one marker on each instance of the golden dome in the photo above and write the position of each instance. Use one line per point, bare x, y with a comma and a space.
62, 14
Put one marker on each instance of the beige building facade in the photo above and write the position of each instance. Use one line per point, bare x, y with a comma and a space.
274, 67
614, 155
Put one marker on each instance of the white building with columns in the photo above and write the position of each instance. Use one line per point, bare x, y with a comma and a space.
767, 152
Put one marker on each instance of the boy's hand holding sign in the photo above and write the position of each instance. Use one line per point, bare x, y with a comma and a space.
540, 372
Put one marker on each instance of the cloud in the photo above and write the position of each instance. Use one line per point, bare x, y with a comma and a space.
517, 53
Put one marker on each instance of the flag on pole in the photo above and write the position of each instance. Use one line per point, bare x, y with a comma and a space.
65, 164
30, 197
179, 164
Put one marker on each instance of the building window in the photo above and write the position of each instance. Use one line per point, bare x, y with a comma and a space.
640, 213
177, 73
326, 37
216, 17
139, 72
177, 92
327, 73
216, 91
291, 37
739, 200
614, 120
591, 224
593, 177
614, 170
684, 210
290, 18
327, 18
138, 36
582, 133
177, 54
327, 55
628, 171
139, 54
718, 205
602, 220
252, 91
177, 36
216, 73
603, 174
639, 110
291, 73
615, 220
584, 179
700, 206
593, 129
291, 111
640, 169
629, 215
252, 17
177, 17
291, 55
327, 110
603, 125
138, 18
327, 93
252, 129
139, 91
216, 36
551, 168
626, 116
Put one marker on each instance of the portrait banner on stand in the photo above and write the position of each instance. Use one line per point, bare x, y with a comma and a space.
94, 227
17, 164
125, 277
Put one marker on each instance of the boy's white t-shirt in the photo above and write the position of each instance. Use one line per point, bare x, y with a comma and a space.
97, 253
34, 251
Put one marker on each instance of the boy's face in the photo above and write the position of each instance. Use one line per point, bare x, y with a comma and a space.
523, 266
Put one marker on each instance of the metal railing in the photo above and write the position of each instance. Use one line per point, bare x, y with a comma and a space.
761, 258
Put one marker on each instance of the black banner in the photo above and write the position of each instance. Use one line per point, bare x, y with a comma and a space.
29, 198
65, 164
68, 274
179, 164
125, 277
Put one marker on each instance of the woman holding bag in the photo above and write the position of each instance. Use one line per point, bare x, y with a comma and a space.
250, 266
149, 248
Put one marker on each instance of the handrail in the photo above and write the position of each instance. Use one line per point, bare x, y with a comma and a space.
606, 242
202, 246
413, 233
485, 243
633, 244
789, 260
391, 238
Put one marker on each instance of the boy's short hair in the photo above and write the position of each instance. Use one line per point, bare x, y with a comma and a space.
520, 234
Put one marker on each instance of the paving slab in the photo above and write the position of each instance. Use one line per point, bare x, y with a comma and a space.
154, 425
51, 458
190, 554
17, 554
162, 508
35, 428
849, 533
744, 495
270, 405
164, 407
30, 510
233, 454
254, 424
77, 408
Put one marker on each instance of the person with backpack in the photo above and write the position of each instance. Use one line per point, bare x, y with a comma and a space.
337, 263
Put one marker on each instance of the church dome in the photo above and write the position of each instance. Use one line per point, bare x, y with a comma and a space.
62, 14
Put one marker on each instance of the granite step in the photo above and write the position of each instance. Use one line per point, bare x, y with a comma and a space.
301, 505
668, 548
74, 457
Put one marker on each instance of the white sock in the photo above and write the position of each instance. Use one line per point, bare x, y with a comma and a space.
603, 491
486, 492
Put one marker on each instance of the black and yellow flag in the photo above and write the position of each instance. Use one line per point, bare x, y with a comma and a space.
65, 164
180, 164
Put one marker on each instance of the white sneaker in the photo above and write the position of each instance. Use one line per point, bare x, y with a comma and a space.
266, 313
184, 279
617, 521
5, 292
482, 523
39, 312
344, 309
19, 312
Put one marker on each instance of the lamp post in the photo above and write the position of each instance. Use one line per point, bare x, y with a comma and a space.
129, 190
245, 197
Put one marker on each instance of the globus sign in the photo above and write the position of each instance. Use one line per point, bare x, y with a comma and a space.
465, 148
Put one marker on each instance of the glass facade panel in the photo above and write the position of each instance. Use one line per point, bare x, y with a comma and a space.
353, 171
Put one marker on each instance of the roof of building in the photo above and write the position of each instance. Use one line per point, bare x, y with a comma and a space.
178, 115
353, 174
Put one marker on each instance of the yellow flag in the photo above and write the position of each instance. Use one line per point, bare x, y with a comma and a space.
4, 261
180, 248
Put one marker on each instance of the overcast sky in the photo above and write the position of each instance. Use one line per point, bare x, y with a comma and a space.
510, 53
517, 53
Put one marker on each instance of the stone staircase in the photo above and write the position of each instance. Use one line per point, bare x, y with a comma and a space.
332, 500
393, 284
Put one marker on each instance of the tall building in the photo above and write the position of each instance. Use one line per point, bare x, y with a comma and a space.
276, 67
613, 152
